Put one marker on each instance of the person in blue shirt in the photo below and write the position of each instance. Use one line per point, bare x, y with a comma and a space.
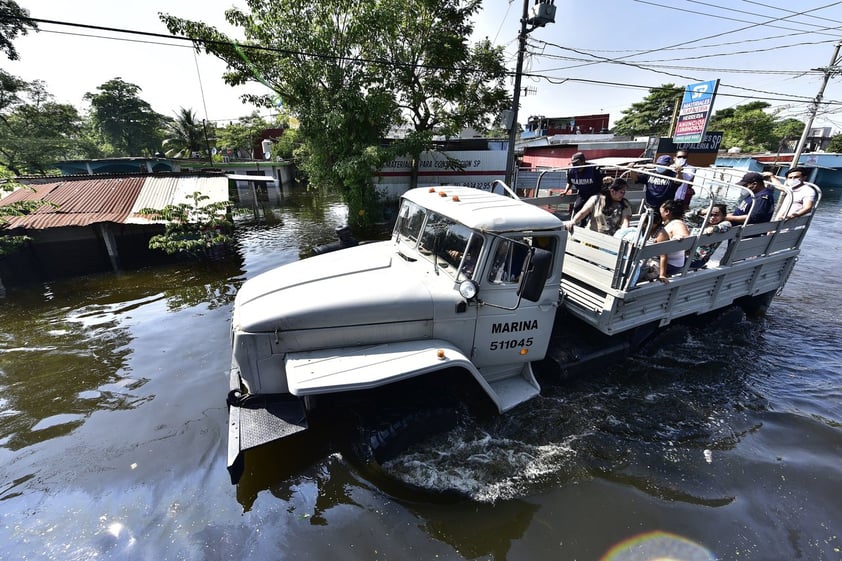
661, 187
757, 207
586, 179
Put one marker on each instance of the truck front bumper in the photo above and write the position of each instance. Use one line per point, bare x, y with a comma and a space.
258, 420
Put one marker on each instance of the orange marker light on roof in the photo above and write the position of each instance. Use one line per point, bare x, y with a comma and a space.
455, 198
442, 194
432, 190
440, 354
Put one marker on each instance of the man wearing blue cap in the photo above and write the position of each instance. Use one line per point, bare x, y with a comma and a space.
757, 207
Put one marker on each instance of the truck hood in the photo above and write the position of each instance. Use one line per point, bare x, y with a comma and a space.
363, 285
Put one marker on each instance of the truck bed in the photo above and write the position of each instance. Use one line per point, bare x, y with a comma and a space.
598, 284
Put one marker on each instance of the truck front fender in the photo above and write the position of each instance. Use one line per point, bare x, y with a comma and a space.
336, 370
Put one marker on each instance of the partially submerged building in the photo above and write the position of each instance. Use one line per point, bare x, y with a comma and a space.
92, 223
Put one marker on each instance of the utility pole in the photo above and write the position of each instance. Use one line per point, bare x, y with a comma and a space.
830, 70
544, 13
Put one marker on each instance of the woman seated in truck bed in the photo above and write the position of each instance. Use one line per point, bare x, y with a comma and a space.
716, 223
672, 228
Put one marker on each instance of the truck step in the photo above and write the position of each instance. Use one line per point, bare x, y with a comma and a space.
514, 390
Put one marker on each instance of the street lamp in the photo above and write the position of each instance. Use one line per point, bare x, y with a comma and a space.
543, 12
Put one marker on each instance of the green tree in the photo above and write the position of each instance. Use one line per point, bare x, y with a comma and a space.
749, 127
11, 89
12, 23
653, 115
126, 123
835, 144
788, 132
286, 145
36, 134
184, 135
442, 84
197, 228
349, 71
242, 135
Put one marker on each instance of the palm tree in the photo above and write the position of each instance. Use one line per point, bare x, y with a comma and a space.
185, 135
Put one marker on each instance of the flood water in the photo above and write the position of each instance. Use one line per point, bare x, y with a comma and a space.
113, 436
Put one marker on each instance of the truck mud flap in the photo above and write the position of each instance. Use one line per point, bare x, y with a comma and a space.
253, 422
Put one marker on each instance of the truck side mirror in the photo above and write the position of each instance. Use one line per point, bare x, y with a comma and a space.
535, 277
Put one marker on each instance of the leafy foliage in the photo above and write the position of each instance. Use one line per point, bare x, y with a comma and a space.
788, 132
39, 132
127, 123
8, 183
747, 126
184, 135
350, 71
835, 144
197, 228
653, 115
240, 137
12, 25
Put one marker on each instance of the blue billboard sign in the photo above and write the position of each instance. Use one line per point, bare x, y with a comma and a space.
695, 112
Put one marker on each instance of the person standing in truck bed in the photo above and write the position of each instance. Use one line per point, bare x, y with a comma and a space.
661, 187
586, 179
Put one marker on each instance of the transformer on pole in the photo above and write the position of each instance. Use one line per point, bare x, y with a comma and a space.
543, 12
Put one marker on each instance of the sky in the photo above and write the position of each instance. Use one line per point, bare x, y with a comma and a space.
599, 56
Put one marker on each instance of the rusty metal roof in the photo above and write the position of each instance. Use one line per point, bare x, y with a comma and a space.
82, 201
79, 202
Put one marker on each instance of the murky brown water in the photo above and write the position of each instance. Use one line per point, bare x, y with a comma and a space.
113, 436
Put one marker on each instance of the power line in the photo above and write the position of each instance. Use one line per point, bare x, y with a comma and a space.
651, 62
715, 35
561, 80
731, 9
615, 61
790, 11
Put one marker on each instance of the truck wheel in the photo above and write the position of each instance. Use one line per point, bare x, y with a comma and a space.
369, 447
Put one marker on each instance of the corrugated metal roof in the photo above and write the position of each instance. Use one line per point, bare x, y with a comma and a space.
79, 202
87, 200
159, 192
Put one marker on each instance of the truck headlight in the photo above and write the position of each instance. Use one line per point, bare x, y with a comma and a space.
468, 289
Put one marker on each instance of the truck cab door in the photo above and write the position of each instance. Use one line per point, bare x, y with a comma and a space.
510, 329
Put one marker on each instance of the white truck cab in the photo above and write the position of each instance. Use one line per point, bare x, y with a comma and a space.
469, 280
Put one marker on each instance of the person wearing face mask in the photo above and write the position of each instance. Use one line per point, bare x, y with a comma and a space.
586, 179
803, 196
686, 173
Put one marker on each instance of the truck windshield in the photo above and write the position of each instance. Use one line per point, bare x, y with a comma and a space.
444, 240
438, 238
410, 221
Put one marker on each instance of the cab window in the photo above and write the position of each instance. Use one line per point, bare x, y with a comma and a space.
510, 256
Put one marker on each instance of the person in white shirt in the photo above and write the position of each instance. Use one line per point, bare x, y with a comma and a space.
803, 196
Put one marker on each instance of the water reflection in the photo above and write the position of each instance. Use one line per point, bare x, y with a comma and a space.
57, 366
476, 531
